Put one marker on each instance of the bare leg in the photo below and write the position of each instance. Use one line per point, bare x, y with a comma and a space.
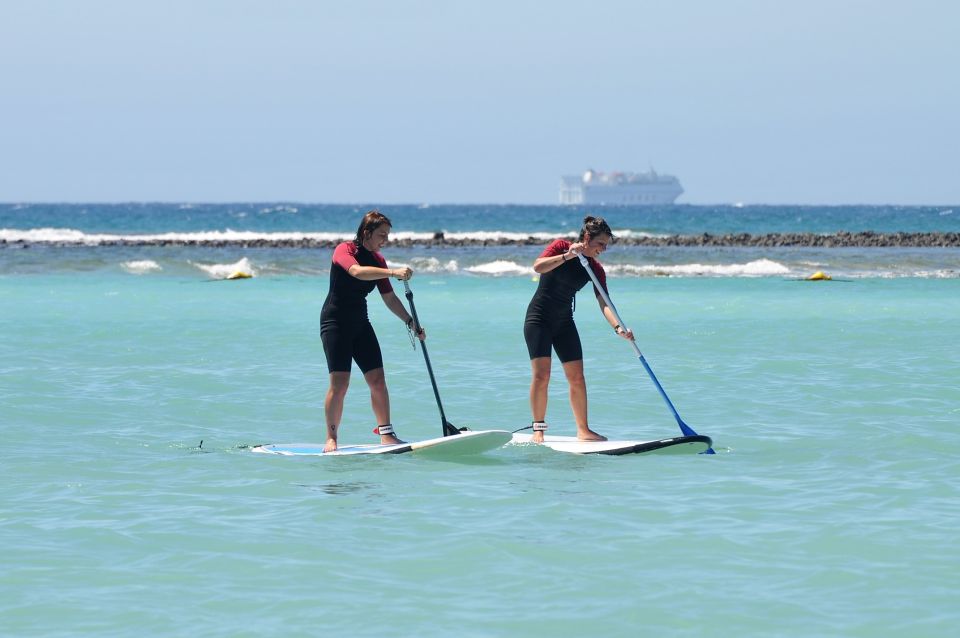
539, 387
333, 406
578, 400
380, 400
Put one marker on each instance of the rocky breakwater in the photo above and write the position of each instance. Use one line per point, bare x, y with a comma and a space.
864, 239
842, 239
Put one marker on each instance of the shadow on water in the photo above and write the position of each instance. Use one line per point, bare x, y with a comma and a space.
339, 488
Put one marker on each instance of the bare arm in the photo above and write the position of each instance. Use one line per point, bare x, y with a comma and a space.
546, 264
372, 273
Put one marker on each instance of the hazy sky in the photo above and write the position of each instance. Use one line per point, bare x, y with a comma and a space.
755, 101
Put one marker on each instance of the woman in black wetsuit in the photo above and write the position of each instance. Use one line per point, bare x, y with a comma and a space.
549, 321
358, 268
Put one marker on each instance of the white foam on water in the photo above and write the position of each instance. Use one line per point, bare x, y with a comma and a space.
500, 268
636, 234
223, 271
54, 235
432, 264
495, 235
756, 268
426, 265
946, 273
141, 267
491, 235
40, 235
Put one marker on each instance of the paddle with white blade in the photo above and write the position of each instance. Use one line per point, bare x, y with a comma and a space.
686, 429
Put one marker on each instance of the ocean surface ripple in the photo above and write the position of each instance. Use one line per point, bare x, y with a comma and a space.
134, 379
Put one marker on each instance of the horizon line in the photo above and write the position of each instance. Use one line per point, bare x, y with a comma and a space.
737, 204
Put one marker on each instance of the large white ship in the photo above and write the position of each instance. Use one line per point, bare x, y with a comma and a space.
619, 188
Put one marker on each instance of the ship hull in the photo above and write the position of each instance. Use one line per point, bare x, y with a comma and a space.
619, 189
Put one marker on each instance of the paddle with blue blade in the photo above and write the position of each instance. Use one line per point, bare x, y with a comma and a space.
448, 428
686, 429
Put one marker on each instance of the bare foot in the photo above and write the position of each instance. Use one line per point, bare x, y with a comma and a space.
331, 445
586, 434
537, 437
389, 439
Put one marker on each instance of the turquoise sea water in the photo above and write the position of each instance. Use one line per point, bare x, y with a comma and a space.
84, 238
682, 219
830, 509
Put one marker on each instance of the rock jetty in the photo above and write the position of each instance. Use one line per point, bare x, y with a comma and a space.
864, 239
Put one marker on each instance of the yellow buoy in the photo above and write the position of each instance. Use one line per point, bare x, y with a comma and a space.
819, 276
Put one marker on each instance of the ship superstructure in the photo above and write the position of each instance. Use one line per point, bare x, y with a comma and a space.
619, 188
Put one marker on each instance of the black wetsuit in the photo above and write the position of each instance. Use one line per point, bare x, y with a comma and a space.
344, 326
549, 321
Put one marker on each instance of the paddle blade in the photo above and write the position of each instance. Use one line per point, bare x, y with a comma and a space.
450, 429
686, 429
689, 431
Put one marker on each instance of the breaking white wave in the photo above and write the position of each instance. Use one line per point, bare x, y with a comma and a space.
426, 265
69, 235
497, 235
239, 269
500, 268
481, 235
41, 235
141, 267
943, 273
432, 264
756, 268
636, 234
507, 268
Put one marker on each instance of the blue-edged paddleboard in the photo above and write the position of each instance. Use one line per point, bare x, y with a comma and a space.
573, 445
465, 443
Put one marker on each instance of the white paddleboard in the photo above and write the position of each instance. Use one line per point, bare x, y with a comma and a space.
465, 443
573, 445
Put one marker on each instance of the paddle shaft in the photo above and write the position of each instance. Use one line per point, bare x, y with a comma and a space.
448, 428
686, 429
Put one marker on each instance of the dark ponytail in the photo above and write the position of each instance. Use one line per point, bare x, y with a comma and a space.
370, 222
594, 226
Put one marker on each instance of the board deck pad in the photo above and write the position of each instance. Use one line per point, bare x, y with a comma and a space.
573, 445
468, 442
